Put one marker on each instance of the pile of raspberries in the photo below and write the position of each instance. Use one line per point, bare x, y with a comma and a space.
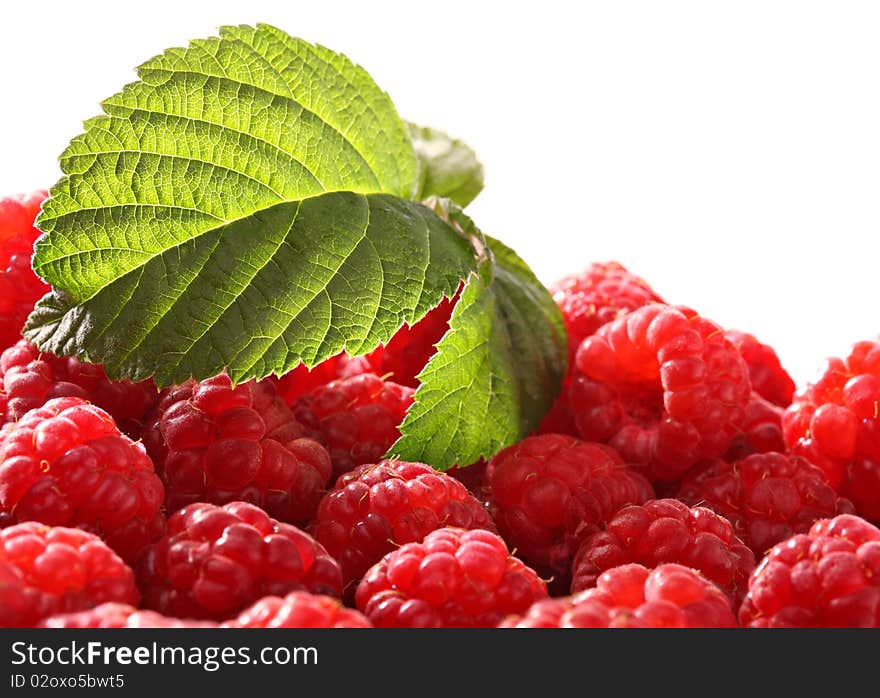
680, 480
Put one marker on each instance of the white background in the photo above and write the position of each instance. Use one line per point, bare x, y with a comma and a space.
727, 151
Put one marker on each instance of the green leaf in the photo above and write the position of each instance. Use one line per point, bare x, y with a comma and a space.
496, 371
447, 166
239, 207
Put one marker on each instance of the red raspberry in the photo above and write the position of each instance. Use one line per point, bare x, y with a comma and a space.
768, 497
214, 561
20, 288
215, 443
28, 378
665, 530
769, 379
452, 579
48, 570
66, 464
120, 615
549, 491
632, 596
599, 294
357, 418
299, 609
828, 578
758, 431
302, 380
378, 507
663, 387
409, 350
834, 423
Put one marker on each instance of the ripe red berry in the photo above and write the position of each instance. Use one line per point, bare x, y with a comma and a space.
666, 530
29, 377
120, 615
452, 579
663, 387
412, 346
48, 570
768, 497
632, 596
299, 609
66, 464
356, 418
213, 442
599, 294
302, 380
20, 288
378, 507
214, 561
834, 423
549, 491
758, 431
827, 578
768, 378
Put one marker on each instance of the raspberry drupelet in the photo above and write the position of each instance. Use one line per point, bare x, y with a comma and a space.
213, 442
66, 464
666, 530
378, 507
46, 570
299, 609
768, 378
834, 422
632, 596
768, 497
120, 615
663, 386
599, 294
452, 579
214, 561
759, 430
551, 490
29, 377
356, 418
827, 578
20, 287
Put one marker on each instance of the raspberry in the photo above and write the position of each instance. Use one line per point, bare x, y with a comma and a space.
66, 464
120, 615
665, 530
29, 378
409, 350
599, 294
632, 596
827, 578
302, 380
299, 609
378, 507
214, 561
20, 288
452, 579
768, 497
834, 423
663, 387
215, 443
768, 378
549, 491
48, 570
758, 431
357, 418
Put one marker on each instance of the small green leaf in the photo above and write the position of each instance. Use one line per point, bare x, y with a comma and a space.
447, 167
496, 371
243, 206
